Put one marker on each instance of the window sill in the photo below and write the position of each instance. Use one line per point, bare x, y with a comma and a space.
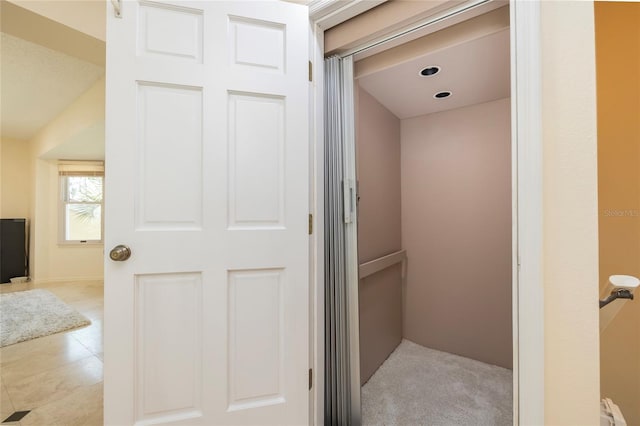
79, 244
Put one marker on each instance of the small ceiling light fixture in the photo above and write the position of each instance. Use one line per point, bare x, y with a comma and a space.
442, 95
429, 71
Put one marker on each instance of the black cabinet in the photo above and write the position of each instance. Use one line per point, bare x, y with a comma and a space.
13, 249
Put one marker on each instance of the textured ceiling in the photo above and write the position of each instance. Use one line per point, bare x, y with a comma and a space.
475, 71
38, 83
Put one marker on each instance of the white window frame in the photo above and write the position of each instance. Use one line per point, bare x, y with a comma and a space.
77, 169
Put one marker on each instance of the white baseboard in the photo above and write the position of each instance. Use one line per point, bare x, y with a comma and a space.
67, 279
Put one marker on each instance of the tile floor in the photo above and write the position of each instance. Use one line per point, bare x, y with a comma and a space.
57, 377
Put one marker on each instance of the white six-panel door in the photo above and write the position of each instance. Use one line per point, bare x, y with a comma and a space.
207, 183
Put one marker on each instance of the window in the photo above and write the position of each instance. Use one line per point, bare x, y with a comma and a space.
81, 201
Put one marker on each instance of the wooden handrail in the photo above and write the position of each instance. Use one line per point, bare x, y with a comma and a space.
377, 265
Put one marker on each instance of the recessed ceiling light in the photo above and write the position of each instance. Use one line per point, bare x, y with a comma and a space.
442, 95
429, 71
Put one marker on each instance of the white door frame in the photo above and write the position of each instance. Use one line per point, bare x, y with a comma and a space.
528, 295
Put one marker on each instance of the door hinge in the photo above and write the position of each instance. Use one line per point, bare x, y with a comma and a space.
310, 71
310, 224
310, 378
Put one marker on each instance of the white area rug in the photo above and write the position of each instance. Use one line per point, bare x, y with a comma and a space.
421, 386
25, 315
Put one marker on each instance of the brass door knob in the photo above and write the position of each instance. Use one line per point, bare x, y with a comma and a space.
120, 253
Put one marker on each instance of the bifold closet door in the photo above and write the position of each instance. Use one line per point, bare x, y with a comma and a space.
342, 370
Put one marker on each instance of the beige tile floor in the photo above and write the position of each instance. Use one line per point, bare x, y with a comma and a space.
58, 377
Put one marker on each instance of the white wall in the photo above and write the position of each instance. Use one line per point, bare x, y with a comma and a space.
570, 214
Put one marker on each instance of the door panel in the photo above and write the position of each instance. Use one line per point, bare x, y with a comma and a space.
169, 315
256, 381
207, 182
169, 173
170, 32
256, 194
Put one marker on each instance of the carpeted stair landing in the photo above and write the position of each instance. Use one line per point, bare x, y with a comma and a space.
421, 386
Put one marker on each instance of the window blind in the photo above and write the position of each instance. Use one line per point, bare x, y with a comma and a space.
81, 168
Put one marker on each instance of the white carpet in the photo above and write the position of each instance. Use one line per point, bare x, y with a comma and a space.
421, 386
25, 315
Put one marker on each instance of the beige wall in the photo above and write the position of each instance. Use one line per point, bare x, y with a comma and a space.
570, 214
48, 260
21, 22
84, 113
471, 29
378, 21
617, 28
87, 16
51, 261
56, 262
380, 295
456, 228
454, 203
15, 179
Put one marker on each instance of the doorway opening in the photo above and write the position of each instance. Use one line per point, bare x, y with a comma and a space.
51, 355
433, 166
